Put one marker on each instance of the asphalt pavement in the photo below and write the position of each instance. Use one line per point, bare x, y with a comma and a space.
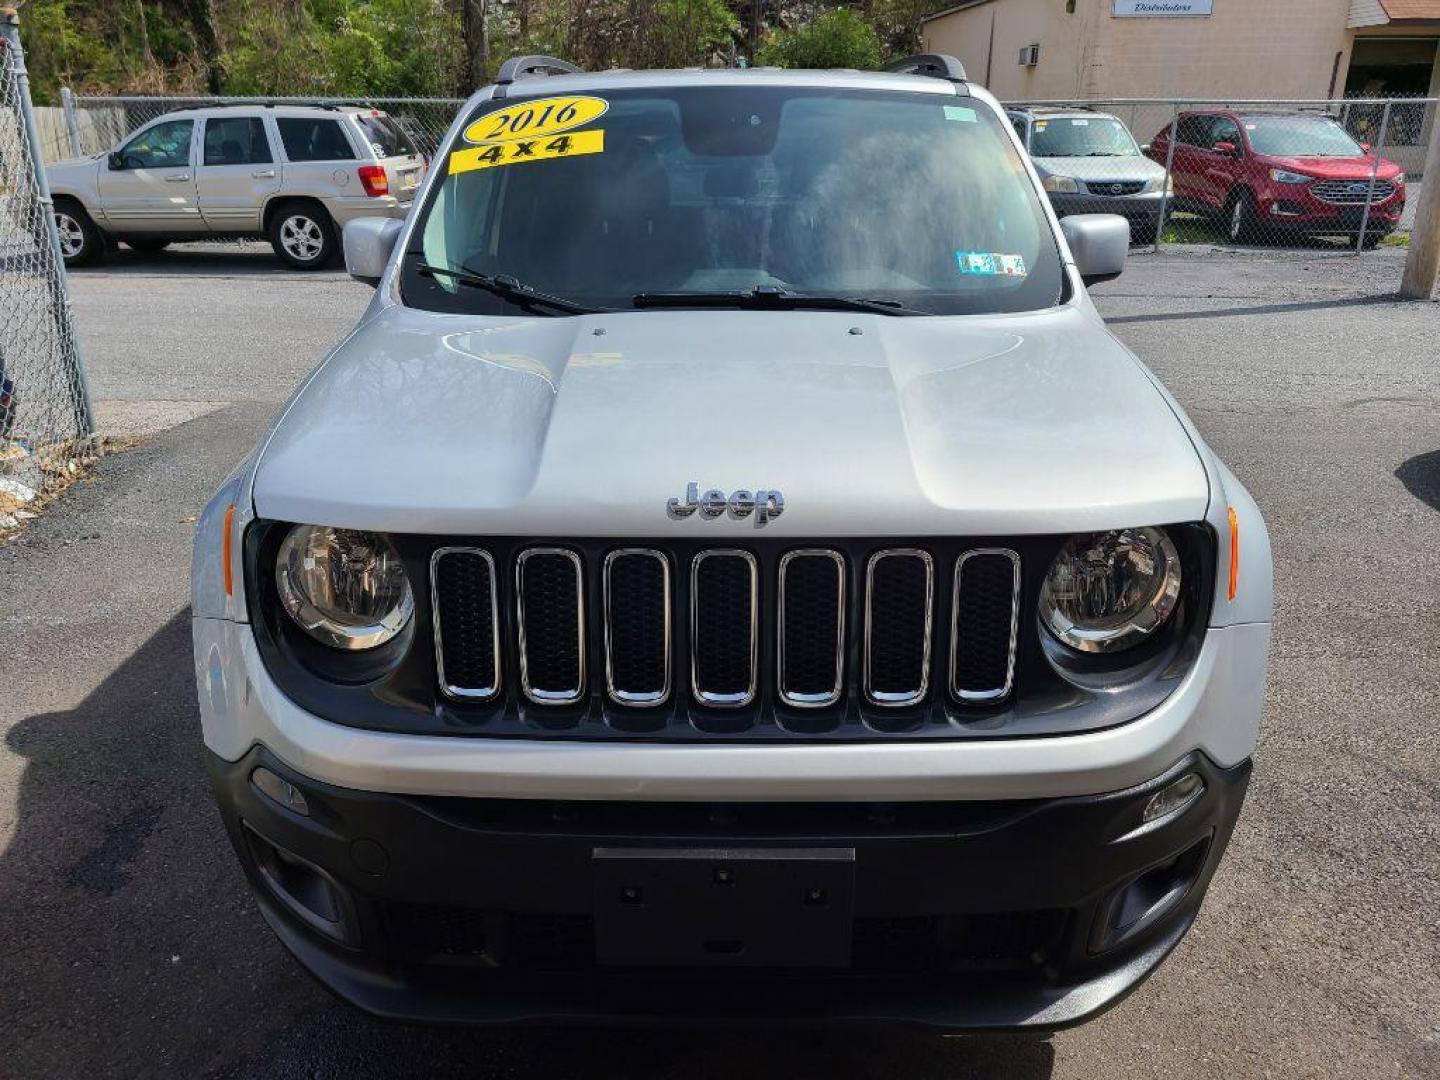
129, 948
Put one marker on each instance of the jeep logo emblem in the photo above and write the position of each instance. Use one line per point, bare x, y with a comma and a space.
739, 504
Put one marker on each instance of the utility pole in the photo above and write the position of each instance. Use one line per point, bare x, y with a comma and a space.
1422, 266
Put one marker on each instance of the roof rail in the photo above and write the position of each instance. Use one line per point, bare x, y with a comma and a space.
522, 67
937, 65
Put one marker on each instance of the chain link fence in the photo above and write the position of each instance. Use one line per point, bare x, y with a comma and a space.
45, 418
1314, 175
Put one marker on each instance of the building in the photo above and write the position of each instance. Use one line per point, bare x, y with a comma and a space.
1047, 50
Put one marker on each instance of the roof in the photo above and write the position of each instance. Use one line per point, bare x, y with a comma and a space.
1056, 110
1411, 10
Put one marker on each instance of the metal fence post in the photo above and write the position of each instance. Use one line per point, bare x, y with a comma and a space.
72, 121
58, 283
1169, 165
1422, 264
1375, 149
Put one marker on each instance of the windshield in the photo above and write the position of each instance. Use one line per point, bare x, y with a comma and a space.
385, 136
1300, 136
914, 199
1081, 136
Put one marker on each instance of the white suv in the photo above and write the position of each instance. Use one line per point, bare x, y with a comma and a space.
294, 174
731, 570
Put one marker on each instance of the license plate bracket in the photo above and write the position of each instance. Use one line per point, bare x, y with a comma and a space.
730, 907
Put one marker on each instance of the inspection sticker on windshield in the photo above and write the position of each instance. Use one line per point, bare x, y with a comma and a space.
961, 113
521, 150
990, 264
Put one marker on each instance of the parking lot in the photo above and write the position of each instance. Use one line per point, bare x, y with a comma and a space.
128, 944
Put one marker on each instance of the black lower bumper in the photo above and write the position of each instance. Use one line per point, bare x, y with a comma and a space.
965, 916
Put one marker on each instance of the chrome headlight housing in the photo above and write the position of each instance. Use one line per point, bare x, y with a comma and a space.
1285, 176
1061, 185
345, 588
1110, 591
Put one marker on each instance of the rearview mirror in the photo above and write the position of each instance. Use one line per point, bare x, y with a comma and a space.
1099, 244
368, 243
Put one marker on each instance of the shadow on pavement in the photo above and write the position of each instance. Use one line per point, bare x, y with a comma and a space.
129, 945
1421, 477
208, 259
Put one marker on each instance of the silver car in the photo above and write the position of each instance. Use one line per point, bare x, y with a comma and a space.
1089, 163
731, 571
294, 174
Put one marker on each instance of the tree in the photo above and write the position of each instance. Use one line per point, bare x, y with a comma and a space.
837, 39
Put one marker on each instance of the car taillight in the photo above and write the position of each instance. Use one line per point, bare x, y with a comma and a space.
374, 180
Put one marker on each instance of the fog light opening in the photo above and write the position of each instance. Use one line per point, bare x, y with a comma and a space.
1147, 899
311, 894
279, 790
1174, 798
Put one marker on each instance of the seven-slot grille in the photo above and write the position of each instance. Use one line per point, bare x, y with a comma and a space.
1351, 192
733, 611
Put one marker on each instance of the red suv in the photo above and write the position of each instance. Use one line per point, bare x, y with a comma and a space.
1269, 173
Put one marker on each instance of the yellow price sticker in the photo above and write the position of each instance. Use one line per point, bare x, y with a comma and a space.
520, 151
536, 119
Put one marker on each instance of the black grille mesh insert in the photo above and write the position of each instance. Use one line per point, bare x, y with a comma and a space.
552, 663
465, 614
723, 628
984, 616
636, 609
811, 637
899, 609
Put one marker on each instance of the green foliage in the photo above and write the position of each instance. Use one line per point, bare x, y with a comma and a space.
387, 48
837, 39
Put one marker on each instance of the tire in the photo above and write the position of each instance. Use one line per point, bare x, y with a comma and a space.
146, 244
1240, 220
1372, 240
303, 235
81, 242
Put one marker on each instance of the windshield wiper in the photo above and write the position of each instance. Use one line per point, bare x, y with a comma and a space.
773, 298
507, 288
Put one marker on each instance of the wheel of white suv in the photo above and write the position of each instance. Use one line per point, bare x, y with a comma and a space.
303, 236
80, 240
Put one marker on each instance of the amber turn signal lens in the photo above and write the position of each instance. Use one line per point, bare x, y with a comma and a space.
225, 549
1234, 553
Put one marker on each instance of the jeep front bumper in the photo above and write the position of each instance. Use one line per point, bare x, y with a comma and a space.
1002, 914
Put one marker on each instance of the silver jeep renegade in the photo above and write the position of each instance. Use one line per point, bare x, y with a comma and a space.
731, 571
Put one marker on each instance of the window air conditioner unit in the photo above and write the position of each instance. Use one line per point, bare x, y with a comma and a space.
1030, 56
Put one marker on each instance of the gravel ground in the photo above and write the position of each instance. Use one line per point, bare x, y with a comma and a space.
129, 948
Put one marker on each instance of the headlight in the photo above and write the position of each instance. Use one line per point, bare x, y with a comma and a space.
345, 588
1283, 176
1061, 185
1110, 591
1160, 183
1399, 181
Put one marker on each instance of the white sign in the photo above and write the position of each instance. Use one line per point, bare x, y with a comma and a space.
1162, 7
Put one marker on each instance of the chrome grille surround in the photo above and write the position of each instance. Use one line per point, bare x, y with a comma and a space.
720, 699
619, 694
894, 699
971, 696
450, 690
1339, 193
831, 696
540, 695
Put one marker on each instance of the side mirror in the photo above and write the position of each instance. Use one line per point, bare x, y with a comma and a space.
115, 160
1144, 148
1365, 146
368, 243
1099, 244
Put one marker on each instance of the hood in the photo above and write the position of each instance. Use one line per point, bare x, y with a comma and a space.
1332, 168
70, 168
585, 426
1092, 169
